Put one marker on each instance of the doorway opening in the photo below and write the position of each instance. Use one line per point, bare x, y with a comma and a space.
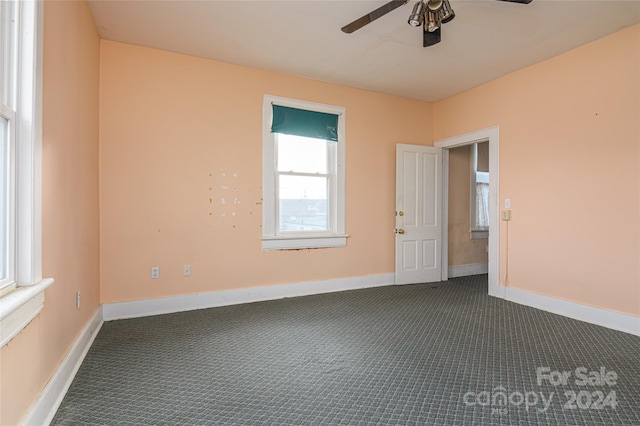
490, 135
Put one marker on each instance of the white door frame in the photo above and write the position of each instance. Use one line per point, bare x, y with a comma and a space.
492, 135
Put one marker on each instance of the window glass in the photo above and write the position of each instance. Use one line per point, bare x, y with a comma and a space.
482, 201
303, 203
479, 190
302, 199
4, 197
8, 52
302, 155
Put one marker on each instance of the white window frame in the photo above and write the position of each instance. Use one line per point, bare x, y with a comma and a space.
476, 233
336, 236
21, 82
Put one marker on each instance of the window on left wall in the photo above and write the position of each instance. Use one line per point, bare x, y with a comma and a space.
21, 283
7, 218
8, 33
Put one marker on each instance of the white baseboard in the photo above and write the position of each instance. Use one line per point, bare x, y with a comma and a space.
468, 269
141, 308
52, 395
610, 319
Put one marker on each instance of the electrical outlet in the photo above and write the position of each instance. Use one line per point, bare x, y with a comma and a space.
186, 271
506, 215
155, 272
77, 300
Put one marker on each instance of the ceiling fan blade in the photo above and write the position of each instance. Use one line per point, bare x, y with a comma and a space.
372, 16
431, 38
518, 1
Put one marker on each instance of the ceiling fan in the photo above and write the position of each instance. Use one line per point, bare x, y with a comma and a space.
430, 14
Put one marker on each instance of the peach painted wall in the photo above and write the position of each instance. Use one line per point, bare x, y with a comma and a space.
569, 161
175, 130
462, 249
70, 207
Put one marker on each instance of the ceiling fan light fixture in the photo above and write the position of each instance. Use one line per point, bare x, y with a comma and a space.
446, 12
434, 5
417, 15
433, 21
430, 14
429, 39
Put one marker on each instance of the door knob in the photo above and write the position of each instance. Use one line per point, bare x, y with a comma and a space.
400, 231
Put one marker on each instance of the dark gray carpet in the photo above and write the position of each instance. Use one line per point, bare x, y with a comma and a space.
407, 355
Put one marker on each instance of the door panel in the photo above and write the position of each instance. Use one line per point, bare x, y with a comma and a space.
429, 254
409, 195
410, 257
418, 214
430, 204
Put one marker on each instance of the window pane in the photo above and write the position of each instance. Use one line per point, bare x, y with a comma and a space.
4, 196
303, 203
481, 220
8, 60
302, 155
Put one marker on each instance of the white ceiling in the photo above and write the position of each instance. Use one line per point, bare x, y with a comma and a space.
487, 38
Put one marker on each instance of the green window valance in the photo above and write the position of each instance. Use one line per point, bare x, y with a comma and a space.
302, 122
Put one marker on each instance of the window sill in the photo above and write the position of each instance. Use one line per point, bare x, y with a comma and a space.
297, 242
19, 307
479, 235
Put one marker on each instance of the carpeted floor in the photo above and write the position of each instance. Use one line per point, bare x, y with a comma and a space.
444, 354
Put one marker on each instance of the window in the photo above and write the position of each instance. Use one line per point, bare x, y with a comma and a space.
8, 34
480, 190
303, 175
7, 217
21, 283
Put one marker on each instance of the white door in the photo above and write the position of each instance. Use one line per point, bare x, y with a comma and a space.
418, 214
